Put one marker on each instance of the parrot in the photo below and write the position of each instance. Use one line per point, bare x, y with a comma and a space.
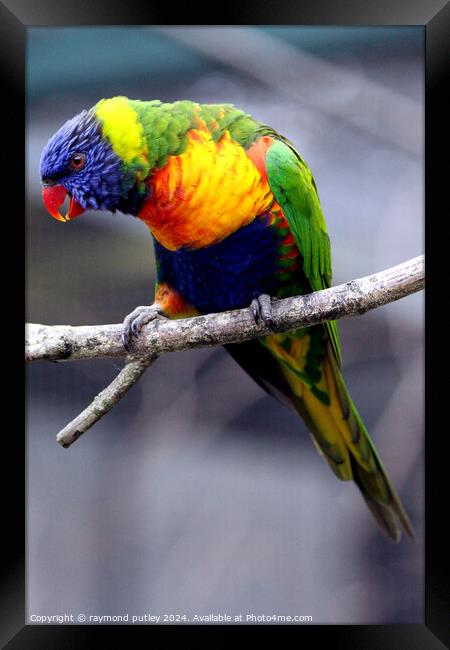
236, 222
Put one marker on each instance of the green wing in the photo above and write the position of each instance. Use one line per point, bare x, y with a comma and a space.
294, 189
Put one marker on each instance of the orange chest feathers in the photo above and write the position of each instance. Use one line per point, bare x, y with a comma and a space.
208, 192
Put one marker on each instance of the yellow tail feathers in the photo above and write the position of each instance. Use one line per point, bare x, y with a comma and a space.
320, 396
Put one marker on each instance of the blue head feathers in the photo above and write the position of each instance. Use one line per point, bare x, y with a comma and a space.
81, 160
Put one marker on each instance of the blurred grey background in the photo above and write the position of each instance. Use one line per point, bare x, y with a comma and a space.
198, 493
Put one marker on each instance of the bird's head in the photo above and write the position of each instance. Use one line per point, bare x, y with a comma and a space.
98, 160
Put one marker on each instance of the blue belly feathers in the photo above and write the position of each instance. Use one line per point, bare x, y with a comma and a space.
227, 275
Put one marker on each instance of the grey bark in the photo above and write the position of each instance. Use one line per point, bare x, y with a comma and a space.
104, 401
63, 342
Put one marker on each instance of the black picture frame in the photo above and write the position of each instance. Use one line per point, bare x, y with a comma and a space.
15, 18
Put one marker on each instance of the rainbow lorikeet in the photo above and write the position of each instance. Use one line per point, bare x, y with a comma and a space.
235, 218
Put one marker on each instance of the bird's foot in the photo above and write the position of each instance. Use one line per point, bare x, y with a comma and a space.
134, 322
261, 309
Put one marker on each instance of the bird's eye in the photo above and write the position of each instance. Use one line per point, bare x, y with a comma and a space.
77, 161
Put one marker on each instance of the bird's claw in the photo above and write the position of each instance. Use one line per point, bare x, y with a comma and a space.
134, 322
261, 308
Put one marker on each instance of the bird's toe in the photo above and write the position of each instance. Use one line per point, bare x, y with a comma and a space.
134, 322
261, 308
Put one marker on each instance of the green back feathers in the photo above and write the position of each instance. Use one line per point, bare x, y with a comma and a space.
294, 189
145, 133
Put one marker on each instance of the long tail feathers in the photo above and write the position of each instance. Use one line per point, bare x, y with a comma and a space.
387, 514
384, 504
335, 425
343, 440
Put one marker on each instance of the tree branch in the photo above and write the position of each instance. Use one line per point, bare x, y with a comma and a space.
63, 342
104, 401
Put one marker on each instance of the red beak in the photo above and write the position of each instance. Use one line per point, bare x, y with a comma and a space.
54, 196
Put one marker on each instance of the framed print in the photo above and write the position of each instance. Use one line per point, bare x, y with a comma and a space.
227, 166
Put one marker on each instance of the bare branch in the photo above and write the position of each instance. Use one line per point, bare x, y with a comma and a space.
63, 342
104, 401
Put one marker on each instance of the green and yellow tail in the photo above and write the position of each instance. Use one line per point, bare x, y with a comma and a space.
319, 394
